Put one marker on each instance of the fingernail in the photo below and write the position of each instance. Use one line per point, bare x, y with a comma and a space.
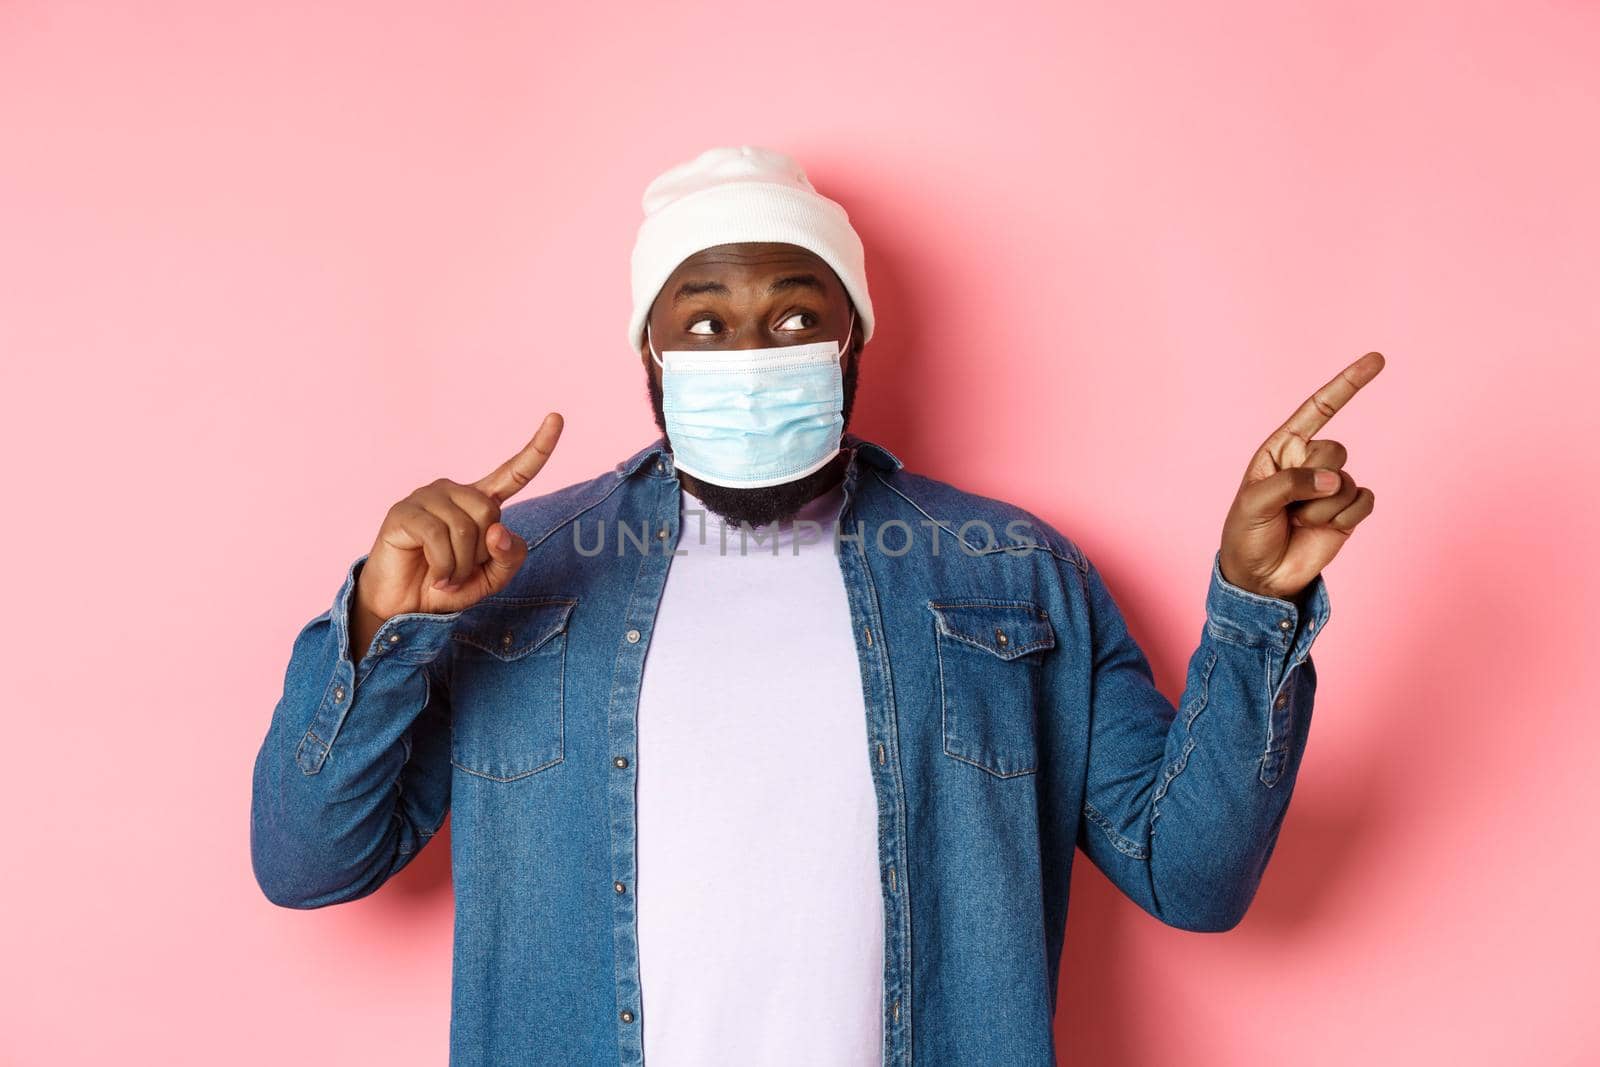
502, 539
1326, 481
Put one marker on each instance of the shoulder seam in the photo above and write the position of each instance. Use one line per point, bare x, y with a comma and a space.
1074, 555
542, 538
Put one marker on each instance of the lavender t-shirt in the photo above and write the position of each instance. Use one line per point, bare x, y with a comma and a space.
759, 904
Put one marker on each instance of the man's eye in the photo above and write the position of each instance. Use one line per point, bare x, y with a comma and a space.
694, 327
784, 325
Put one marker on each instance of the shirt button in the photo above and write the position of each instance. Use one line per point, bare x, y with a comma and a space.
394, 639
661, 534
627, 1016
1285, 624
633, 637
1283, 698
505, 639
621, 761
660, 466
1001, 639
338, 693
619, 887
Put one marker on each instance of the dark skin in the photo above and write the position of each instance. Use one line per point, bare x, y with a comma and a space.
1297, 506
753, 295
443, 547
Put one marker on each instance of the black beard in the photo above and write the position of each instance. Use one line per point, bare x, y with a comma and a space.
770, 503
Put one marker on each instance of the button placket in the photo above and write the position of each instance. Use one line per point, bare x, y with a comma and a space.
890, 789
621, 716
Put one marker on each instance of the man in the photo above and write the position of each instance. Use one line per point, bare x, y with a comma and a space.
761, 748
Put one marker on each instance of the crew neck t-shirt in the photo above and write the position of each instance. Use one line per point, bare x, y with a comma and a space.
760, 912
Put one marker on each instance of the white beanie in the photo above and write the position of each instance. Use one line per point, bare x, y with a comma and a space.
743, 193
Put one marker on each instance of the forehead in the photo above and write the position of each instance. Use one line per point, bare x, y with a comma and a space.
750, 262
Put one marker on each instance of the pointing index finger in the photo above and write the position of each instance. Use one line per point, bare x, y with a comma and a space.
1321, 405
508, 478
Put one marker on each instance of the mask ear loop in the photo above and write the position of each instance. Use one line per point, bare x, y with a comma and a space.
848, 334
649, 341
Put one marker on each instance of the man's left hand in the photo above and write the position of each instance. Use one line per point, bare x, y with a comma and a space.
1297, 506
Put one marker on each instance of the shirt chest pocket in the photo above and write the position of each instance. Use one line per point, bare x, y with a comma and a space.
990, 655
508, 686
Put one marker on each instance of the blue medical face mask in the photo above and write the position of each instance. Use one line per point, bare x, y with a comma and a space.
754, 417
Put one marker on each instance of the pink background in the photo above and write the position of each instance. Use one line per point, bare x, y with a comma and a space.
264, 269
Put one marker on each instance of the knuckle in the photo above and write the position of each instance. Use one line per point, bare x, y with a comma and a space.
484, 507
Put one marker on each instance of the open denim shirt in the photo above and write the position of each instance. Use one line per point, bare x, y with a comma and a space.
1011, 718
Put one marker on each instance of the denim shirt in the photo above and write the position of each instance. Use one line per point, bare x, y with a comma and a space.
1011, 719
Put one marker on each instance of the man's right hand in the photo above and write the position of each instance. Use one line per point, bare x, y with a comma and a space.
444, 548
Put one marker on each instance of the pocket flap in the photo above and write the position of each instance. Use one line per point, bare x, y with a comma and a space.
1005, 628
512, 627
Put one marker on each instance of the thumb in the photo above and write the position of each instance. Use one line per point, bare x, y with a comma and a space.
1271, 495
507, 553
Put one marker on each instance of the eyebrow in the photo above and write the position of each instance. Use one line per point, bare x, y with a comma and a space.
688, 289
788, 281
797, 281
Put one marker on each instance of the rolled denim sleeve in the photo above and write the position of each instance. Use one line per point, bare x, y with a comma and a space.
1183, 804
353, 777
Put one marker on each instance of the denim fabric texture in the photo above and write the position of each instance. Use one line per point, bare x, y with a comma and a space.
1012, 719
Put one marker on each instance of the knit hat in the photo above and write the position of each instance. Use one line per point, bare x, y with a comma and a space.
743, 193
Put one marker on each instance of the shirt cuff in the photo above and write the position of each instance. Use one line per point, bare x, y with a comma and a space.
414, 637
1246, 618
